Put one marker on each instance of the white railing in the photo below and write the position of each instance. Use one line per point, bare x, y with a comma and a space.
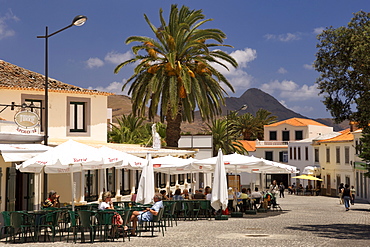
272, 143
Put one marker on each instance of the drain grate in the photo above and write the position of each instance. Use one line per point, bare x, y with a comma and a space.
257, 235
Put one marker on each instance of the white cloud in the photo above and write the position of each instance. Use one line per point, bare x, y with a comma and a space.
284, 37
318, 30
238, 78
282, 70
5, 31
117, 58
94, 62
291, 91
308, 66
244, 56
114, 87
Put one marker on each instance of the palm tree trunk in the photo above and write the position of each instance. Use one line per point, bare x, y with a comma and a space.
173, 131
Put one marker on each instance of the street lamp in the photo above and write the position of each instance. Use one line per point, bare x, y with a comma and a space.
77, 21
242, 108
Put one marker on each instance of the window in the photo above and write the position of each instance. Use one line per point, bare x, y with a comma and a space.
37, 100
273, 136
299, 135
295, 153
286, 136
78, 116
356, 146
327, 155
269, 155
306, 153
346, 155
299, 153
283, 156
337, 155
316, 155
290, 153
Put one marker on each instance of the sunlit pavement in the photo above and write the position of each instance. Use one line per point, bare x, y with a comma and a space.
304, 221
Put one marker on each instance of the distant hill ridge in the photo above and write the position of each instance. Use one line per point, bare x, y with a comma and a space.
254, 98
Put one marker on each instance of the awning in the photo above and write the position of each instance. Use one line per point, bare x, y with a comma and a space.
21, 152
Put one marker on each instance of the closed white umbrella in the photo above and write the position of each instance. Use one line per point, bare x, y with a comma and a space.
219, 188
145, 192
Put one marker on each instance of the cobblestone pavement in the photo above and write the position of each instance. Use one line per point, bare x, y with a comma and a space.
304, 221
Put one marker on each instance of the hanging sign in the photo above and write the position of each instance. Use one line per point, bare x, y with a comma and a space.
26, 121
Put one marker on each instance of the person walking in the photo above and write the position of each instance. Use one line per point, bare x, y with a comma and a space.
340, 193
281, 189
346, 192
353, 192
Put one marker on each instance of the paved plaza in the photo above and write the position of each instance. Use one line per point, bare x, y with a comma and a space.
304, 221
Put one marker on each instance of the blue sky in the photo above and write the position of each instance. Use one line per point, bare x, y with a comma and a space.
274, 41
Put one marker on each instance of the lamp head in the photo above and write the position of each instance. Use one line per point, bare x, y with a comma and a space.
244, 107
79, 20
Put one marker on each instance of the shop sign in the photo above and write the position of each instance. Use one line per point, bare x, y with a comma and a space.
26, 121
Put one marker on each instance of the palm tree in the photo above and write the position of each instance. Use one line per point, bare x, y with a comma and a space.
175, 73
263, 117
128, 130
224, 139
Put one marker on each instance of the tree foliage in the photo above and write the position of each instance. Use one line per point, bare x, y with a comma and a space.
132, 130
225, 138
175, 72
228, 131
343, 60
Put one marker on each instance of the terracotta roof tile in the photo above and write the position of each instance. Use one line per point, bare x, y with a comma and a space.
250, 146
15, 77
344, 137
297, 122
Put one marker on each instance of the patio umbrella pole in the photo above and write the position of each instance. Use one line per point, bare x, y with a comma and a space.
73, 191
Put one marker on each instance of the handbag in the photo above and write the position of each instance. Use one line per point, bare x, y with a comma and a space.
117, 219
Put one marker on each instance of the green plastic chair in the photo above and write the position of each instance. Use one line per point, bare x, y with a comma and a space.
49, 220
23, 222
105, 219
205, 208
156, 222
73, 216
169, 212
87, 220
126, 222
6, 227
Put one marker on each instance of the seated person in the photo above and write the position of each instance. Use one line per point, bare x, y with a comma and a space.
52, 201
256, 196
209, 194
244, 200
106, 202
199, 195
178, 196
164, 196
186, 195
146, 215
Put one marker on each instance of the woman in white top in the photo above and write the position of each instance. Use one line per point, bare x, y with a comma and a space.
107, 201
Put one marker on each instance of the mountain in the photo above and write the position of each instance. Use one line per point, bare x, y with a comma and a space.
254, 98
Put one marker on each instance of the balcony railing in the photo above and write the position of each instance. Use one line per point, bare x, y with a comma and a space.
272, 143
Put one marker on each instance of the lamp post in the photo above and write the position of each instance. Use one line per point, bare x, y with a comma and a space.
77, 21
242, 108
